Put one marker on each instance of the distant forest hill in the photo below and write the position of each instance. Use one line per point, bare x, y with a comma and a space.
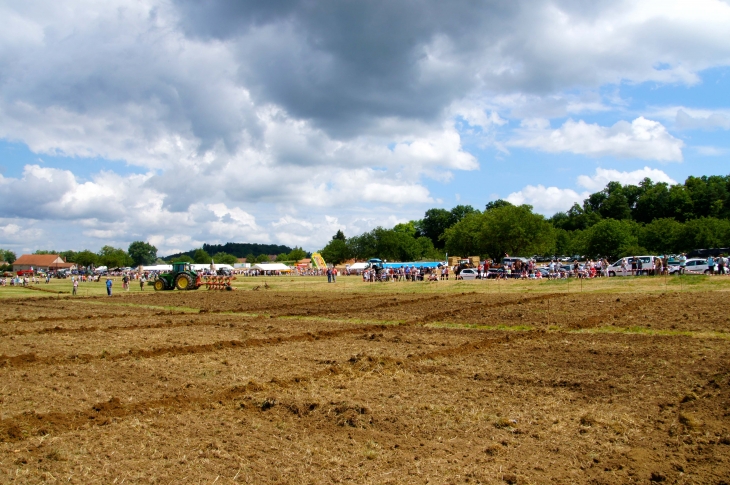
239, 250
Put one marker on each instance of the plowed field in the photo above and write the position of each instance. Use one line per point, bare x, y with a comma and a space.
353, 387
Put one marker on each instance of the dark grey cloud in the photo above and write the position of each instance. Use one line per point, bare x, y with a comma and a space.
345, 63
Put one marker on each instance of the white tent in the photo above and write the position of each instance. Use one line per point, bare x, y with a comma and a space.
271, 267
158, 267
195, 267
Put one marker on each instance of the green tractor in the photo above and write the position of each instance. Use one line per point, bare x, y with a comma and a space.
181, 277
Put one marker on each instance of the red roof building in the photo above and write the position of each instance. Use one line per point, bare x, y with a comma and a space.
43, 262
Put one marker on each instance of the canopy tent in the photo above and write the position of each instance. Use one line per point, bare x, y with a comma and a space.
417, 264
157, 267
271, 267
358, 266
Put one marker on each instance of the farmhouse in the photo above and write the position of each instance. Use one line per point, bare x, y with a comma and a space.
41, 262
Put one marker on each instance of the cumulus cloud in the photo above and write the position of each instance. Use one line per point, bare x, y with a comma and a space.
642, 138
547, 200
603, 176
702, 121
240, 114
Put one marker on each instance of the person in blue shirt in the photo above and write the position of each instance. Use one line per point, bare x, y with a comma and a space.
711, 264
109, 286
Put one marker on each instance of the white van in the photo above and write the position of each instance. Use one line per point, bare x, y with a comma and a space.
647, 265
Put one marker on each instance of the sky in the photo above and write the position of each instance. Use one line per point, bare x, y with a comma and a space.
183, 122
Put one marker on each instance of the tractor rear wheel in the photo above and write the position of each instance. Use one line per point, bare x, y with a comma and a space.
159, 285
184, 282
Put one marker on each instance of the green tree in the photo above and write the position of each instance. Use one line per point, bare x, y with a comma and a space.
459, 212
496, 204
68, 256
183, 258
45, 251
142, 253
705, 232
433, 225
282, 257
660, 236
8, 256
250, 258
225, 258
563, 242
513, 230
201, 256
86, 258
363, 246
297, 254
336, 251
262, 258
576, 218
610, 238
112, 257
340, 235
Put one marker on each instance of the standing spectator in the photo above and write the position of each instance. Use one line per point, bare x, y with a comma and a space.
75, 285
329, 275
141, 283
109, 286
624, 266
711, 264
721, 264
334, 275
682, 263
639, 266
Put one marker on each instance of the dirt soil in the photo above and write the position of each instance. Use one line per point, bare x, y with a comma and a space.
267, 387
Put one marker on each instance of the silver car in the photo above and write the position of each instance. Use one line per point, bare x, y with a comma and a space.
693, 265
469, 273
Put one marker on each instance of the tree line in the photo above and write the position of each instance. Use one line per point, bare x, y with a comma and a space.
144, 253
620, 220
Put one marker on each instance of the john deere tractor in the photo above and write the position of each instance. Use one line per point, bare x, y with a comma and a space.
181, 277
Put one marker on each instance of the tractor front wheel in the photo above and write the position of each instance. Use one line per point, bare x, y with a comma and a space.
159, 285
184, 282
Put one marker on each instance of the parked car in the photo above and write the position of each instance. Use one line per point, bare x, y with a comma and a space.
512, 260
647, 265
693, 265
469, 274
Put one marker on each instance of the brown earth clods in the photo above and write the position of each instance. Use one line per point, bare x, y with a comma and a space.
276, 387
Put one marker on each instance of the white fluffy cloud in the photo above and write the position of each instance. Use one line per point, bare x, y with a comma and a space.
642, 138
547, 200
702, 120
238, 116
603, 176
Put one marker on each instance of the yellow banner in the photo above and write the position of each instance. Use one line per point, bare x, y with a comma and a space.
319, 261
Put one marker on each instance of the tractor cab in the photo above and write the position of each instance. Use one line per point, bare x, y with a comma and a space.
181, 267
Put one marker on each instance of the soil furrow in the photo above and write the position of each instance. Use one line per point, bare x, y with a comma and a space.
20, 427
450, 313
23, 360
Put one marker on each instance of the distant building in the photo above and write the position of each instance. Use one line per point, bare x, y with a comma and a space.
272, 257
41, 262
